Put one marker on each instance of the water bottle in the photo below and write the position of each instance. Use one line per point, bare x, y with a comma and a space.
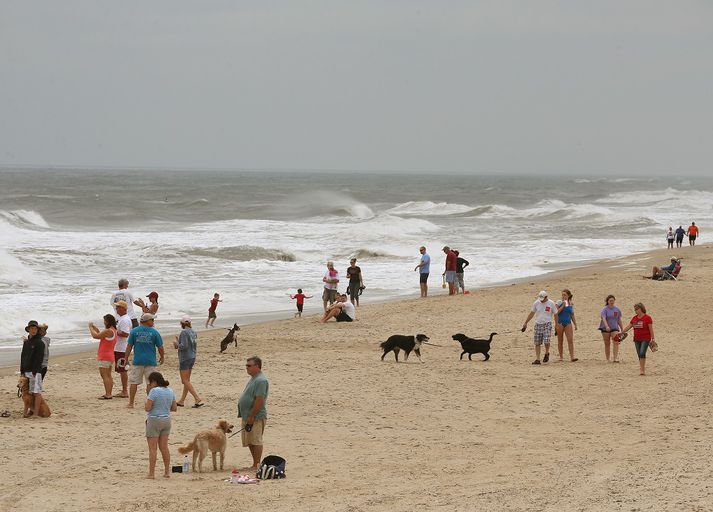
186, 465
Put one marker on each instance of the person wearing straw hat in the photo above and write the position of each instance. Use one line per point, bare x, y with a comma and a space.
543, 310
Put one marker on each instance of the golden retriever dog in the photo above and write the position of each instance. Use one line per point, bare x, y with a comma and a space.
23, 386
214, 440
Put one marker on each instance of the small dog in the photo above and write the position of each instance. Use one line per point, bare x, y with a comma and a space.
471, 346
23, 389
231, 337
408, 344
214, 440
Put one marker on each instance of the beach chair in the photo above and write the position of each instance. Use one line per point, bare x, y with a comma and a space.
665, 275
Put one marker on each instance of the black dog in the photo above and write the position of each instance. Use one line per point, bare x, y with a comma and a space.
231, 337
408, 344
471, 346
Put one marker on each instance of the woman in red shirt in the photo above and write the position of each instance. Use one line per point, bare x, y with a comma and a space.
643, 333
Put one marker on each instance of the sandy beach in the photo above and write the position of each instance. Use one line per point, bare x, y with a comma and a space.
360, 434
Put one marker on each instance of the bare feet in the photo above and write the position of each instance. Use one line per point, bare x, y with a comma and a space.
167, 475
130, 406
150, 476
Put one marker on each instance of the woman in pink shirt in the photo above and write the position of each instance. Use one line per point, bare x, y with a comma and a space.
105, 352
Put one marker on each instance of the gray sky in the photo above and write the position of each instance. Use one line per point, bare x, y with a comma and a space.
582, 87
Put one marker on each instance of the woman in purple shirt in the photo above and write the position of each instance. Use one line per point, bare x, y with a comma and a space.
610, 324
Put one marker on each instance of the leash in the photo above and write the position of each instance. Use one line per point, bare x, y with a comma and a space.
234, 433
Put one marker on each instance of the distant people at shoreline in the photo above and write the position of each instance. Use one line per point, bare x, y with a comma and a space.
300, 298
123, 294
610, 324
680, 233
450, 269
331, 281
543, 310
356, 281
692, 234
423, 268
461, 263
105, 352
670, 236
211, 310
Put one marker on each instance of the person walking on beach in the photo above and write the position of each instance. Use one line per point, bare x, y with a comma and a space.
543, 310
565, 319
105, 353
643, 333
461, 263
680, 233
252, 409
152, 306
450, 271
609, 325
186, 344
46, 359
123, 329
356, 281
300, 297
33, 351
123, 294
670, 236
692, 234
161, 402
144, 340
211, 310
331, 281
423, 268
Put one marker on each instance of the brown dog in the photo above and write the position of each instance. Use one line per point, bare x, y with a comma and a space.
214, 440
23, 387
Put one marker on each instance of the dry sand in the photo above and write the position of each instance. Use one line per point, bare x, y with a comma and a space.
360, 434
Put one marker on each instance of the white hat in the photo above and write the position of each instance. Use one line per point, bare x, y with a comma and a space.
186, 319
542, 295
146, 317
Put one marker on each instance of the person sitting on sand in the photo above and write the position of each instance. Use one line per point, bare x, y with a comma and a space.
657, 272
159, 405
342, 310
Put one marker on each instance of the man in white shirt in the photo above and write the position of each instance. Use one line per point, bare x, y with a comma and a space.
543, 310
123, 328
124, 294
342, 310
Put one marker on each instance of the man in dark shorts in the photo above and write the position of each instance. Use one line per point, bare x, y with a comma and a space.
680, 232
342, 310
423, 268
356, 283
692, 234
211, 310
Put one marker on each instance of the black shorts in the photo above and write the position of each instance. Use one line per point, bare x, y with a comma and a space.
134, 322
691, 237
299, 307
353, 290
343, 317
44, 372
423, 278
211, 314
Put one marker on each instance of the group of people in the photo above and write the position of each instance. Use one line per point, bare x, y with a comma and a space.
561, 313
453, 275
677, 235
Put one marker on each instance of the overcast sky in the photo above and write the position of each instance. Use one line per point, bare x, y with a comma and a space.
582, 87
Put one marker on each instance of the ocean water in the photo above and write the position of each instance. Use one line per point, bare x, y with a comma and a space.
67, 236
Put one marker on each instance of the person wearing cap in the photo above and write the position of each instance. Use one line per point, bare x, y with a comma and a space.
143, 340
123, 294
450, 271
123, 329
356, 282
330, 280
152, 306
33, 351
543, 310
423, 268
657, 272
186, 345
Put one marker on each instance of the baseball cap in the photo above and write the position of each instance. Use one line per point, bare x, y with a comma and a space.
146, 317
153, 294
121, 304
542, 295
185, 318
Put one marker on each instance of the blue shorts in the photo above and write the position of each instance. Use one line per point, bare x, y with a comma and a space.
187, 364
